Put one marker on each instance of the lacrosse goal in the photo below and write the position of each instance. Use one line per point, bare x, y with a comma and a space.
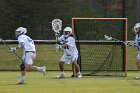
96, 55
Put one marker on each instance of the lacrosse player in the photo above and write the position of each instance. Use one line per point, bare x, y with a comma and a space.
70, 51
137, 42
29, 53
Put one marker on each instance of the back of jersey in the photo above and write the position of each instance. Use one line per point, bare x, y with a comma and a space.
29, 43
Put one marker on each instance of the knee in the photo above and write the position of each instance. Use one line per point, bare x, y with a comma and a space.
28, 67
74, 63
61, 63
22, 67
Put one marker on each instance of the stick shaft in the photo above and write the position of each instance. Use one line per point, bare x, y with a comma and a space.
124, 42
10, 48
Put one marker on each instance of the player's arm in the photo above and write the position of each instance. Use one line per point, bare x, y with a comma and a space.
57, 39
58, 44
57, 35
20, 45
64, 45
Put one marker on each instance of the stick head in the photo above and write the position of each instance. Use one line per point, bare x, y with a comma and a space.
57, 25
108, 37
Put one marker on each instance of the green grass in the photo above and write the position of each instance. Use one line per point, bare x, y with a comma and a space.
131, 57
37, 83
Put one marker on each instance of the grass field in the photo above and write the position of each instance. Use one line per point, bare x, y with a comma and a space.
47, 55
37, 83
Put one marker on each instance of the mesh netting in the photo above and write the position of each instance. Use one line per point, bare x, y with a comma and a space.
98, 56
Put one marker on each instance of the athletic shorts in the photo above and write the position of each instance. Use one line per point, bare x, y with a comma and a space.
69, 58
28, 57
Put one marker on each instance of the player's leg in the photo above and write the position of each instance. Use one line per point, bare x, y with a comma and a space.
79, 75
64, 59
74, 62
23, 70
29, 63
61, 67
23, 73
74, 70
138, 64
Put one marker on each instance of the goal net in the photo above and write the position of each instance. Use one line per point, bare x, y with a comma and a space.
98, 56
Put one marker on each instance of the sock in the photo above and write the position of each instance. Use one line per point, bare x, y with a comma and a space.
62, 72
79, 72
22, 78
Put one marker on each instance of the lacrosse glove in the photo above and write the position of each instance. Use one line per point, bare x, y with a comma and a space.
13, 49
57, 34
57, 46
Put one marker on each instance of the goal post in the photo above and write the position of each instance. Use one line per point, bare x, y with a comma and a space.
98, 56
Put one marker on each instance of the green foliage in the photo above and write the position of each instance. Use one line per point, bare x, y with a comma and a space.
37, 15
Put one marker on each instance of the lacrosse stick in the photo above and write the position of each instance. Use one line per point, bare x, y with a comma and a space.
10, 48
127, 43
57, 27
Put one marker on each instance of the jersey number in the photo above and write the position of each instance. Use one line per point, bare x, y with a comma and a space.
66, 47
30, 40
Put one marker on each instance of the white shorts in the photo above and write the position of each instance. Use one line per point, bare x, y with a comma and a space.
138, 56
69, 58
29, 57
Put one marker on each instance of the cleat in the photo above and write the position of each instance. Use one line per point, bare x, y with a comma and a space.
21, 82
79, 75
72, 75
137, 77
44, 70
61, 76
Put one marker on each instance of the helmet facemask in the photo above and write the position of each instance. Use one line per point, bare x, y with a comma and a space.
136, 28
67, 31
17, 33
20, 31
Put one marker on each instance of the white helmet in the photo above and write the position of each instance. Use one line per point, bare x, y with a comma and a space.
136, 27
67, 31
20, 31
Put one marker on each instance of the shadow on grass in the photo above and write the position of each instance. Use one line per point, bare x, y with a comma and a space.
133, 81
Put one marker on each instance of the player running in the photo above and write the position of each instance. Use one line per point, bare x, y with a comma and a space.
137, 42
29, 53
70, 51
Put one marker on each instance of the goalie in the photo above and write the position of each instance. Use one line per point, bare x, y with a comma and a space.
67, 41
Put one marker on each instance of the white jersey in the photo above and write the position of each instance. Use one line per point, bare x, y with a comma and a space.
137, 40
71, 48
29, 43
